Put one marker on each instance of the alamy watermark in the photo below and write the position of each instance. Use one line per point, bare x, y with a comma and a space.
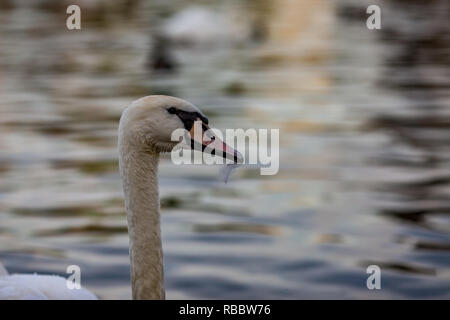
374, 20
73, 22
374, 280
258, 147
73, 281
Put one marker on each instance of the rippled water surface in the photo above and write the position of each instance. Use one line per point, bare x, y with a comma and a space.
364, 125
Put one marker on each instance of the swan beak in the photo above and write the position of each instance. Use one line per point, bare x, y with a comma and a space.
211, 143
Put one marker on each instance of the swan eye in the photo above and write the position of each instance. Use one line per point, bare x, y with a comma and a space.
172, 110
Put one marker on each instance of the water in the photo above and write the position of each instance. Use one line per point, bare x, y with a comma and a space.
364, 157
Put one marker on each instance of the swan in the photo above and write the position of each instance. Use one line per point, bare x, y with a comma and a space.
145, 131
38, 287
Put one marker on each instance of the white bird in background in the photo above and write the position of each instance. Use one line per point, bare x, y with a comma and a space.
145, 131
197, 26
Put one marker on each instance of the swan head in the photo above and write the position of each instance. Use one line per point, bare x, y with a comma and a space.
148, 124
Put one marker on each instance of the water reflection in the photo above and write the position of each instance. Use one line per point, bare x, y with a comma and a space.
239, 227
417, 133
364, 145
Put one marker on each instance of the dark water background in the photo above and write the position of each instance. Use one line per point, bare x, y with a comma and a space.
364, 125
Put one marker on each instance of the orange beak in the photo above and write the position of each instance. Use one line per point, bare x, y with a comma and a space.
203, 139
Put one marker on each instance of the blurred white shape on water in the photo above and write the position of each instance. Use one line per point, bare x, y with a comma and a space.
198, 25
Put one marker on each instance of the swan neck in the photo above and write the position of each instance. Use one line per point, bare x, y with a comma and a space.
139, 172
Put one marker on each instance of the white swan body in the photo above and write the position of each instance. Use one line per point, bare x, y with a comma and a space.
145, 131
38, 287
